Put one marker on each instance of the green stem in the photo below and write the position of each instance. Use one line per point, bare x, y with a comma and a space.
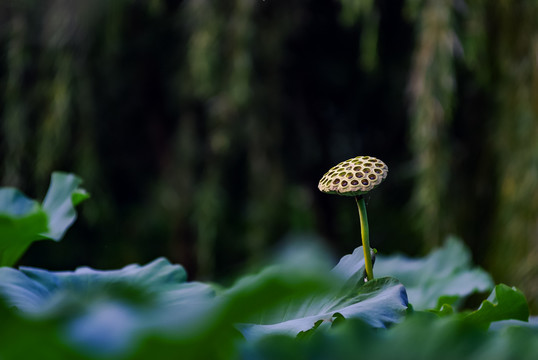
365, 234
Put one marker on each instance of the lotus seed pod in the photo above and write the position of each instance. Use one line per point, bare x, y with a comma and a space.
354, 177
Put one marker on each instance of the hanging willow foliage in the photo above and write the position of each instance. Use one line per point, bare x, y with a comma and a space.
15, 114
366, 13
55, 125
217, 87
431, 88
514, 78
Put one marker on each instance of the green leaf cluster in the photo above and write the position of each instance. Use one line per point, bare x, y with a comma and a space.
445, 272
420, 336
23, 220
296, 308
110, 313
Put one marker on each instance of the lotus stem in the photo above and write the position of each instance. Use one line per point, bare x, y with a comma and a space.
356, 177
365, 235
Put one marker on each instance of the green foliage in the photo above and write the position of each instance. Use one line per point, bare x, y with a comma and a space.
380, 303
22, 338
63, 195
105, 312
447, 271
302, 311
504, 303
418, 337
294, 309
23, 221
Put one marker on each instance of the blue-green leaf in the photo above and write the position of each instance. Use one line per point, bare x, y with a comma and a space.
104, 311
532, 323
378, 302
59, 203
21, 221
447, 271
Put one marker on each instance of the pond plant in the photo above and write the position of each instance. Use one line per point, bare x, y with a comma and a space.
356, 177
300, 307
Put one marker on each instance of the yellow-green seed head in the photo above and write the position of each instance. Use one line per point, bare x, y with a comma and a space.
354, 177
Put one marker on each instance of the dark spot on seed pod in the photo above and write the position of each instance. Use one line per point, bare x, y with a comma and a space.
336, 181
357, 168
349, 175
359, 175
368, 164
378, 171
379, 165
354, 182
366, 170
344, 183
364, 182
372, 176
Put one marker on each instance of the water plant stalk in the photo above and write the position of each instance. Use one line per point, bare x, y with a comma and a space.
365, 235
356, 177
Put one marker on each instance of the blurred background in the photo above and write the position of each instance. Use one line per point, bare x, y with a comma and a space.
201, 128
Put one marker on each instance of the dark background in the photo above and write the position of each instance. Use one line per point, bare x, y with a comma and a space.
201, 128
